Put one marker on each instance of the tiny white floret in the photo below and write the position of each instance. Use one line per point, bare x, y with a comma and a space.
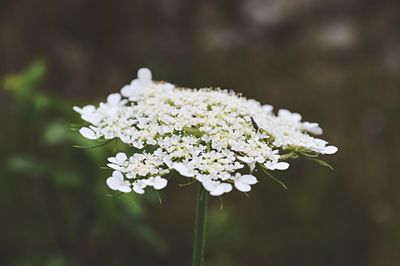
243, 182
156, 182
216, 188
117, 182
277, 165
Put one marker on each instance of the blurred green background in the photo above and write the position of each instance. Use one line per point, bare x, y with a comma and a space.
336, 62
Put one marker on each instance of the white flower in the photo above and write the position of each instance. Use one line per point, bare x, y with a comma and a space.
205, 134
251, 162
144, 80
243, 182
139, 186
276, 165
156, 182
117, 182
89, 114
216, 188
118, 161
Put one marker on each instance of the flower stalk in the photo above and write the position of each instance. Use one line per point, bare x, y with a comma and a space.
200, 227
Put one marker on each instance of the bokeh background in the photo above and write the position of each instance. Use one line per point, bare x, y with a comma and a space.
336, 62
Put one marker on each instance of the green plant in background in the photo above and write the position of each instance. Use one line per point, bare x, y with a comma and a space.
214, 138
56, 185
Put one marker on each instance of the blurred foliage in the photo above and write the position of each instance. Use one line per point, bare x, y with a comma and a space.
334, 61
60, 188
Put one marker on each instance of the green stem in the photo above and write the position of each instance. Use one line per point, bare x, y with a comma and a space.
200, 226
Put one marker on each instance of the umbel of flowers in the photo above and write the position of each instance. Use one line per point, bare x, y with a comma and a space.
213, 136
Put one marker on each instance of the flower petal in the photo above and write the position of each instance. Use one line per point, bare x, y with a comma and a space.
330, 150
168, 162
218, 191
127, 91
115, 166
87, 133
144, 74
114, 99
94, 118
112, 160
125, 188
160, 183
281, 166
137, 188
112, 183
183, 170
248, 179
226, 187
242, 186
246, 159
118, 176
208, 184
121, 157
86, 110
312, 128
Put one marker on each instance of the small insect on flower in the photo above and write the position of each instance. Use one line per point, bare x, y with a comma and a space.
206, 135
254, 123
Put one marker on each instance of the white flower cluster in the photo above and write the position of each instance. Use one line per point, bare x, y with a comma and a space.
213, 136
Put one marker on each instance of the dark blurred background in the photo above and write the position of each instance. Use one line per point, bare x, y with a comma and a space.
336, 62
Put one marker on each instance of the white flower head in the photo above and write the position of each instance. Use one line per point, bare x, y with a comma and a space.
207, 135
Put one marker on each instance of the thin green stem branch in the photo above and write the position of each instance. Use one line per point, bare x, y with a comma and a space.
200, 226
